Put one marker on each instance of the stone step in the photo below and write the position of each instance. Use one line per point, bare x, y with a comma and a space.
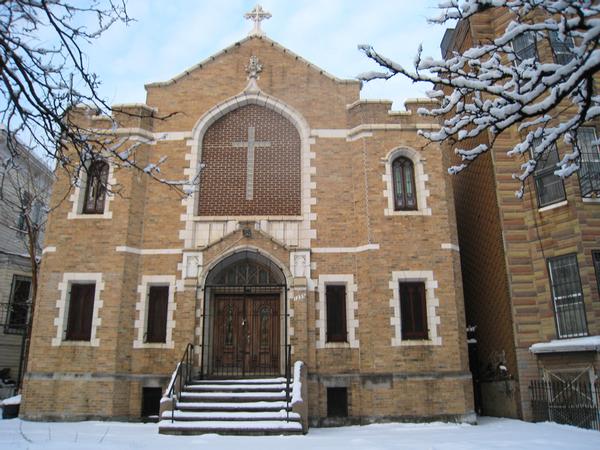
278, 380
231, 427
236, 387
231, 415
232, 406
231, 396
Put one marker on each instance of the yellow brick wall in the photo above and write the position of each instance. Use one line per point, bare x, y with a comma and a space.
427, 381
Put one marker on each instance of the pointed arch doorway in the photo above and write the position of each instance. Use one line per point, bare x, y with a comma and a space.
245, 318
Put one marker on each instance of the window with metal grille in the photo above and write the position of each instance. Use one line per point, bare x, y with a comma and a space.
156, 326
337, 402
549, 187
562, 47
524, 46
403, 174
18, 306
335, 298
567, 296
95, 190
589, 170
413, 310
81, 308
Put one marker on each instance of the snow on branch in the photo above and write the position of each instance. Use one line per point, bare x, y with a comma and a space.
504, 84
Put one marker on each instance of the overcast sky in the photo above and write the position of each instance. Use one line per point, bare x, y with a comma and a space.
169, 36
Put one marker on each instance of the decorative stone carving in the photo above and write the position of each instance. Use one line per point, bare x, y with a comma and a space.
300, 264
192, 263
253, 68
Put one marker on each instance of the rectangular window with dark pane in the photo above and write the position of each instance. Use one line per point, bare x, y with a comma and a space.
549, 187
158, 300
567, 296
562, 47
413, 310
335, 297
18, 306
589, 170
81, 309
337, 402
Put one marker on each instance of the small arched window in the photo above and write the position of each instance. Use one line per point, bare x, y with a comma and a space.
403, 173
95, 188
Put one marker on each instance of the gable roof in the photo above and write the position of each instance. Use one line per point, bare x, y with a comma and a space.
238, 43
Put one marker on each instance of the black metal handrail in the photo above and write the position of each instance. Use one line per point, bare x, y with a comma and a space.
182, 376
288, 376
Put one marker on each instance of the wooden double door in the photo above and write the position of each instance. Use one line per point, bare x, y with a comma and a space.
246, 335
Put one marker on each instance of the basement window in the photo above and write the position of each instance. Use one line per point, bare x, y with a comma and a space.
337, 402
151, 402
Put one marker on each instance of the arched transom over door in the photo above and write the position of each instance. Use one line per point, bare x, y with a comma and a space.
245, 317
251, 160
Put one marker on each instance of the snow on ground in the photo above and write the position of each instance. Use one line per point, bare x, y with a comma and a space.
490, 434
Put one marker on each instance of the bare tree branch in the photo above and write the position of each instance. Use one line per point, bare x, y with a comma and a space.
495, 86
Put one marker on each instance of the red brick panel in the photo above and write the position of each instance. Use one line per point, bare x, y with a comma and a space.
276, 168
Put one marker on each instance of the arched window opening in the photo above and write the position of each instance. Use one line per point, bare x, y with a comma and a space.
95, 189
405, 196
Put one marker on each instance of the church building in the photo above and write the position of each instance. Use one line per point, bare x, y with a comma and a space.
317, 229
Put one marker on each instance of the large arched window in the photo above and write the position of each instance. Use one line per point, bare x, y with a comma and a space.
403, 175
95, 189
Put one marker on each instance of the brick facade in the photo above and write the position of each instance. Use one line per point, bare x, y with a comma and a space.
506, 244
318, 215
276, 177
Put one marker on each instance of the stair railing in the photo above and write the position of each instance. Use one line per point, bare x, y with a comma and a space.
181, 376
288, 376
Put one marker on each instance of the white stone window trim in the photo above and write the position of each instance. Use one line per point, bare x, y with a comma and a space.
141, 322
432, 303
420, 182
553, 206
351, 310
62, 304
77, 197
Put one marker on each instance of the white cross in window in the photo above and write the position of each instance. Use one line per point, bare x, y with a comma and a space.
251, 144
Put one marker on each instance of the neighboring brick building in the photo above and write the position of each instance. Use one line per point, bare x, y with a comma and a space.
317, 222
529, 266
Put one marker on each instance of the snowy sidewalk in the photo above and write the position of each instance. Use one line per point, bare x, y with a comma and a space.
490, 434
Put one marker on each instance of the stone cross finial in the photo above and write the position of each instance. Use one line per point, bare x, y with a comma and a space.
257, 15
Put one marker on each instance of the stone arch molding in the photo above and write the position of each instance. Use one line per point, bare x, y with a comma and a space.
243, 99
421, 179
242, 248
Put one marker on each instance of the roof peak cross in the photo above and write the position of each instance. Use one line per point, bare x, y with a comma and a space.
257, 15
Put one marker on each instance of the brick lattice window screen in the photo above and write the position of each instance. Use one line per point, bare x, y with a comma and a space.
276, 178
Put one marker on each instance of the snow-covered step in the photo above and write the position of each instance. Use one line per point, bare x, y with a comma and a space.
279, 380
263, 427
257, 406
232, 396
231, 415
232, 406
237, 387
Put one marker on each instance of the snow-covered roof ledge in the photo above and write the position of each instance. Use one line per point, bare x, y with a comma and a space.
582, 344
